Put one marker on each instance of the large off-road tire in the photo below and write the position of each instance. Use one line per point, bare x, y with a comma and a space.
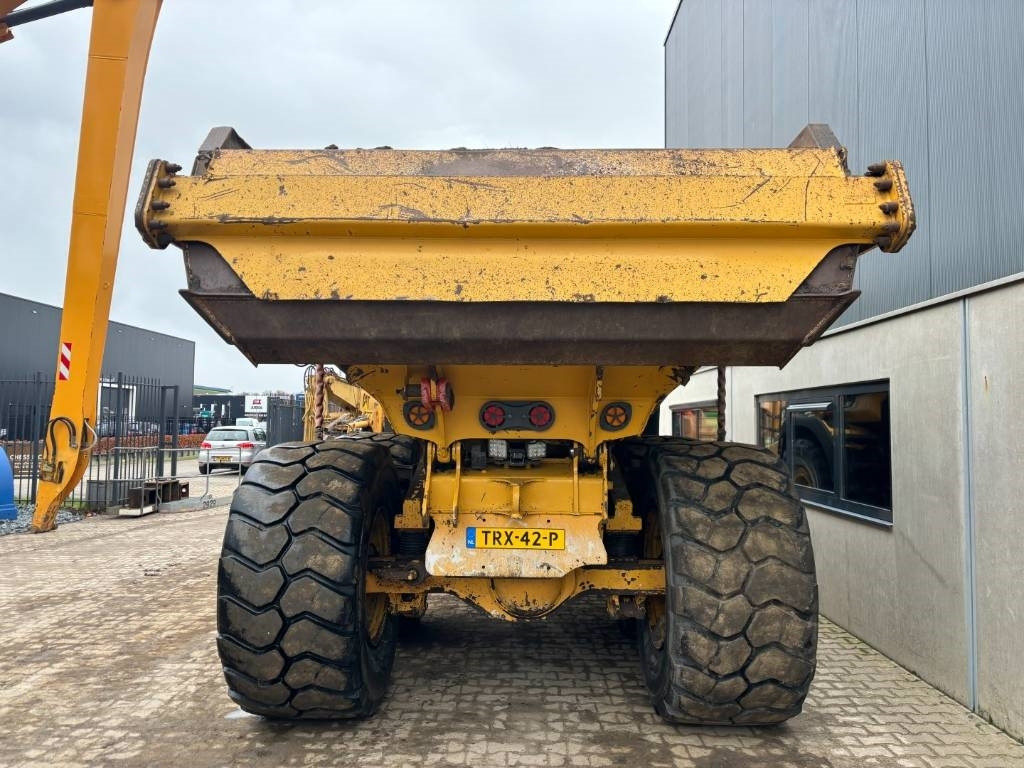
405, 451
297, 634
734, 639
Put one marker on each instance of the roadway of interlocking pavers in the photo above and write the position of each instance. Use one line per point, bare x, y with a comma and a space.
107, 657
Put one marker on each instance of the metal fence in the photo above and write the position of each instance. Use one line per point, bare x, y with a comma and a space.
284, 420
132, 413
139, 436
25, 405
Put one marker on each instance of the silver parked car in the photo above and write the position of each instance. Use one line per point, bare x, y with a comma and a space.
230, 447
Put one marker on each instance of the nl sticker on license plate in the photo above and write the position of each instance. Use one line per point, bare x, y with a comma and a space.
515, 538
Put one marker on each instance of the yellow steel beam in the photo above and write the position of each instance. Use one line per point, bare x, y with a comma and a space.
122, 32
547, 488
519, 598
622, 226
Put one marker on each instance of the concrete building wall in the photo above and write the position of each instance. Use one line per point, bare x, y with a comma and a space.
941, 590
996, 498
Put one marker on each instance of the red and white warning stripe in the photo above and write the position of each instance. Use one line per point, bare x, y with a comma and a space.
64, 363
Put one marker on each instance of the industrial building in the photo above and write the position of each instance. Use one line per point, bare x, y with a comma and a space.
901, 424
146, 361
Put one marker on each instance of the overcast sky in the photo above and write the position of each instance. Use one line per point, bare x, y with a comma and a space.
415, 75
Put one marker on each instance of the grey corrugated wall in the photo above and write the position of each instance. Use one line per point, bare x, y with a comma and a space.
937, 84
28, 345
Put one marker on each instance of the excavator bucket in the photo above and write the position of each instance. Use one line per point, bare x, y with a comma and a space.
523, 257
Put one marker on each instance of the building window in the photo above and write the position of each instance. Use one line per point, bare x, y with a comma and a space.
698, 421
837, 445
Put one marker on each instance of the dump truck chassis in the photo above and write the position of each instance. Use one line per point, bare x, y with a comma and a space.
315, 574
520, 598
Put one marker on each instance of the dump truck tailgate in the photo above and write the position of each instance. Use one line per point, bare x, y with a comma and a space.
625, 257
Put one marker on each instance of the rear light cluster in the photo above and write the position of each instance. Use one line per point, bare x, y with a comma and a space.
206, 445
514, 453
530, 415
535, 450
247, 445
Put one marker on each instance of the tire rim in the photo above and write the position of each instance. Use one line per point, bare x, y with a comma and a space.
375, 604
657, 623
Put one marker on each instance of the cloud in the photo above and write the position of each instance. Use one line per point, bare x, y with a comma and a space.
407, 74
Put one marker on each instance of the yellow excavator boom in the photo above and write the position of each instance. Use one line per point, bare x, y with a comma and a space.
119, 44
335, 406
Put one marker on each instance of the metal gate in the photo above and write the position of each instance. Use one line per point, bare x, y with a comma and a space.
132, 413
284, 420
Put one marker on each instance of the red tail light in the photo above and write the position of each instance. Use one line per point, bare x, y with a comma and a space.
206, 445
493, 416
247, 445
540, 416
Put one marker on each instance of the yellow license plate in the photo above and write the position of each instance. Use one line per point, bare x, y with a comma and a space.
515, 538
222, 458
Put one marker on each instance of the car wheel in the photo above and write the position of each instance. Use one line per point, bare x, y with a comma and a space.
810, 465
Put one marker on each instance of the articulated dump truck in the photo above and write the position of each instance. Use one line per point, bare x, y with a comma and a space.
519, 315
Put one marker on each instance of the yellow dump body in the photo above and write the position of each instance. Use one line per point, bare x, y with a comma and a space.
523, 257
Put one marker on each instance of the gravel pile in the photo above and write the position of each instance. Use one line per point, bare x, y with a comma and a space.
24, 519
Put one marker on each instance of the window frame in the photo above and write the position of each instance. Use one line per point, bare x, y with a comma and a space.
700, 405
834, 501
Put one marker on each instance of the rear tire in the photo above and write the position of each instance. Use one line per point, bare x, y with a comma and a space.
204, 469
734, 640
405, 452
298, 636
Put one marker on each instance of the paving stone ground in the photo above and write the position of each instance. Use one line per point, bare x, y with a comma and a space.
107, 657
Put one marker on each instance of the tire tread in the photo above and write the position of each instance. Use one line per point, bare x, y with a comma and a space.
292, 552
741, 595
